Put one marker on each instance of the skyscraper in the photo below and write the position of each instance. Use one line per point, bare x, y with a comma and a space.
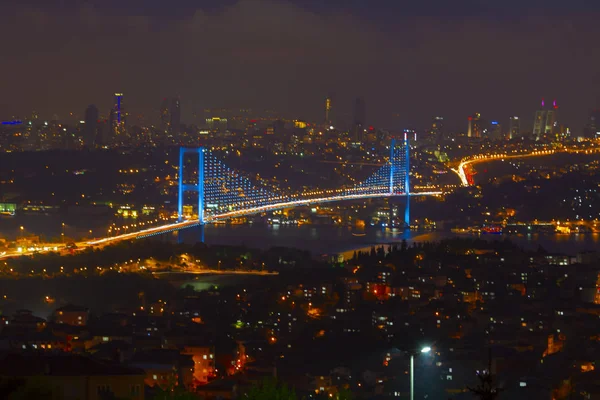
90, 129
175, 121
475, 126
495, 131
592, 127
545, 120
165, 116
437, 128
359, 116
117, 120
514, 128
328, 110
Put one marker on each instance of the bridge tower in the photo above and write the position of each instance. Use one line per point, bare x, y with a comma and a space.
197, 187
399, 161
407, 181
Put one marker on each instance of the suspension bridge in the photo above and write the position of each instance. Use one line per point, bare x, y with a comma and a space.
222, 192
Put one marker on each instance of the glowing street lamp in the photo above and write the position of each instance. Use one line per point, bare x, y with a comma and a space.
424, 350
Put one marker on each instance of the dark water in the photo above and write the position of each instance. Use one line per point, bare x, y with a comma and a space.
321, 240
318, 239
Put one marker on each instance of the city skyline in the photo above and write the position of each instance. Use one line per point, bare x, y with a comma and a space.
260, 54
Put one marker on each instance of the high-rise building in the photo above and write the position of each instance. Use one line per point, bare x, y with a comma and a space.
117, 120
328, 119
175, 121
475, 126
545, 121
217, 124
514, 128
359, 117
90, 128
592, 127
437, 128
495, 131
165, 116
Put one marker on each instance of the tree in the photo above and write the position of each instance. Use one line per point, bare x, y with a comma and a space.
404, 245
269, 389
175, 394
486, 389
33, 388
344, 394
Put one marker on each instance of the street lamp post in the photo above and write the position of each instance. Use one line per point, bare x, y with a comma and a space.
425, 349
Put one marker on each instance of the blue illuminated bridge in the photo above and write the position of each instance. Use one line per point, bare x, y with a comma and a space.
225, 193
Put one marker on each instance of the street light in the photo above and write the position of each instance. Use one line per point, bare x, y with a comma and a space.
424, 350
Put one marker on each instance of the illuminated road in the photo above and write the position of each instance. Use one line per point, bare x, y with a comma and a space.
212, 218
217, 272
460, 171
289, 204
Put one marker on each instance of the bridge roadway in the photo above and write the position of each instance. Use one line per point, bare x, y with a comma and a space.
217, 272
189, 223
101, 242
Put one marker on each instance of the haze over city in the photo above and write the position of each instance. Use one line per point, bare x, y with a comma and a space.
285, 200
408, 59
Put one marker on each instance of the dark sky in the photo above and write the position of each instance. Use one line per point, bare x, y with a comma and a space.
408, 58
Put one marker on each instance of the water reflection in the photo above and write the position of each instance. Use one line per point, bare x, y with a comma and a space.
318, 239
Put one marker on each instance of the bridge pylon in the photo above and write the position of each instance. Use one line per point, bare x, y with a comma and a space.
194, 187
407, 181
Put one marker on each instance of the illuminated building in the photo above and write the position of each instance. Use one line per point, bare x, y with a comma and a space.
514, 128
496, 131
545, 121
358, 119
216, 124
90, 129
165, 117
475, 126
117, 119
170, 117
328, 110
175, 121
72, 315
300, 124
437, 128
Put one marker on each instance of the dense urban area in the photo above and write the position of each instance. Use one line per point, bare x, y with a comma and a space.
299, 200
470, 314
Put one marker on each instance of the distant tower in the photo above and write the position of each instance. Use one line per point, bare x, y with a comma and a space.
495, 131
175, 121
165, 116
475, 126
545, 120
359, 117
90, 128
117, 119
328, 110
437, 128
514, 128
592, 127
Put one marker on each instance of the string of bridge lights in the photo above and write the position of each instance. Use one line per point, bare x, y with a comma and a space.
226, 190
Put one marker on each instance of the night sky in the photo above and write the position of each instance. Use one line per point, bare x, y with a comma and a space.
409, 59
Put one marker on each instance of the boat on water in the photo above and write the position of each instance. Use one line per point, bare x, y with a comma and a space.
461, 230
358, 234
492, 229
